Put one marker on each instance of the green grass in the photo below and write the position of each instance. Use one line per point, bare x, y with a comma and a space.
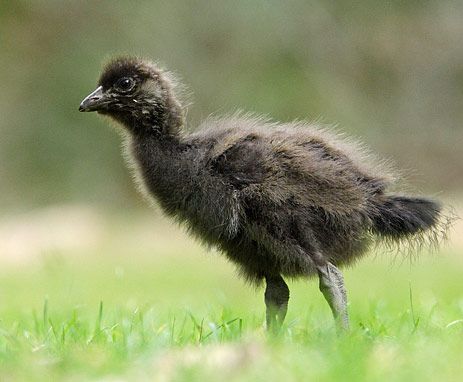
161, 308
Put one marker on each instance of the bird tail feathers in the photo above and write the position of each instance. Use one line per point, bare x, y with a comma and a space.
400, 216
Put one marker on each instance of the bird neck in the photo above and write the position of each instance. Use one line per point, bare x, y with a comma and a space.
165, 166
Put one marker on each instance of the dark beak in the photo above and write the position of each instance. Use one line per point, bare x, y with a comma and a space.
94, 100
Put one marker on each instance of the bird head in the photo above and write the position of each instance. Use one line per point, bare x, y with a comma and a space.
136, 93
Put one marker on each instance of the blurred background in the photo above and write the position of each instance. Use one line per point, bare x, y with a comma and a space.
387, 72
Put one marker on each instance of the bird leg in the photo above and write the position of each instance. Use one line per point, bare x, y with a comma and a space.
332, 287
276, 301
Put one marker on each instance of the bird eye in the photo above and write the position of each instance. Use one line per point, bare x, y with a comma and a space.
125, 84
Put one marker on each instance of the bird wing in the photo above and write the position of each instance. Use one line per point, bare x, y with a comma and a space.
289, 170
242, 164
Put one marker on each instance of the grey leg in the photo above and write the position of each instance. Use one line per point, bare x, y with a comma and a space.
332, 287
276, 300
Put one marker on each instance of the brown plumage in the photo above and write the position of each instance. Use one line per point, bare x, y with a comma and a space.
279, 199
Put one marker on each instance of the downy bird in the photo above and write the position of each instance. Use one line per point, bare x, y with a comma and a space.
278, 199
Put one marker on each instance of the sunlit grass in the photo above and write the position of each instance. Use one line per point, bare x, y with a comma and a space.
162, 308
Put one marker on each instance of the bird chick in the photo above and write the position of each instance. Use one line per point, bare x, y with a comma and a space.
278, 199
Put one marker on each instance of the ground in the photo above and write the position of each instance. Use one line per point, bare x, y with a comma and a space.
89, 296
